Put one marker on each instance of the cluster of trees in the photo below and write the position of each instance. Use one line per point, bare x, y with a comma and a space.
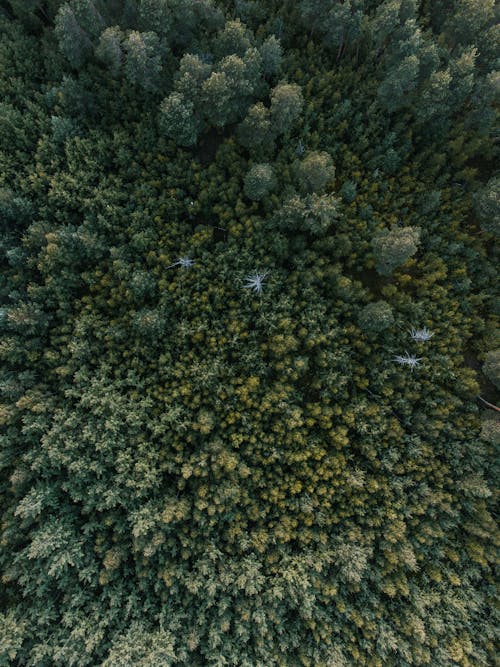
194, 473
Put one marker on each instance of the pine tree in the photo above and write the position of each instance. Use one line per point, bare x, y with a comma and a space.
394, 92
491, 367
234, 38
259, 181
216, 97
143, 59
315, 171
109, 50
487, 206
376, 317
254, 132
393, 247
286, 105
177, 119
272, 54
74, 41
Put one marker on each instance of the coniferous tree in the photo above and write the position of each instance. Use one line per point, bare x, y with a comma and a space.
223, 438
315, 171
177, 120
491, 367
109, 50
393, 247
259, 181
143, 55
74, 41
286, 105
376, 317
255, 132
271, 53
487, 206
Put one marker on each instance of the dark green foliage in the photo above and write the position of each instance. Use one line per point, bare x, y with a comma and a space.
487, 205
394, 91
197, 473
490, 429
491, 367
74, 41
271, 53
259, 181
12, 633
255, 132
286, 105
191, 75
338, 22
315, 171
430, 201
348, 191
315, 214
156, 15
110, 49
233, 38
221, 93
376, 317
177, 119
217, 98
468, 19
393, 247
143, 59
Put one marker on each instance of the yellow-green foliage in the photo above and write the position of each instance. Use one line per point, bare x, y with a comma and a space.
196, 473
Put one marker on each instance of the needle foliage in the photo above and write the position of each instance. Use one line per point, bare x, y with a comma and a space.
194, 473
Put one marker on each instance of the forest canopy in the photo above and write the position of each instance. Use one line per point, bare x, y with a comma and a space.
250, 358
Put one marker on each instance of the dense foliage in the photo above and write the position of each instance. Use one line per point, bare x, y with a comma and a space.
248, 304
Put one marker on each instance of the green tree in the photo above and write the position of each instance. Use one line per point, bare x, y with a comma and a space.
315, 171
487, 206
491, 367
216, 98
177, 119
234, 38
272, 54
385, 22
109, 50
34, 13
12, 633
191, 75
394, 91
259, 181
74, 41
156, 16
254, 132
90, 15
468, 20
314, 214
240, 85
348, 191
490, 429
143, 59
376, 317
343, 25
393, 247
142, 647
286, 105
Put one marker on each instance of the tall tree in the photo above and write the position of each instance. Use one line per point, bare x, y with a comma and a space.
143, 60
393, 247
109, 50
487, 206
74, 41
177, 119
286, 105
